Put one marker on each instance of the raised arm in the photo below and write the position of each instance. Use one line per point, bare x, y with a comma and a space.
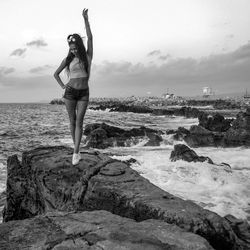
58, 71
89, 33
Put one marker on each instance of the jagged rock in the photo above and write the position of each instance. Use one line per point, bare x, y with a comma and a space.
46, 181
183, 111
170, 132
200, 137
154, 139
216, 122
104, 135
187, 112
96, 230
239, 133
183, 152
241, 228
131, 108
180, 133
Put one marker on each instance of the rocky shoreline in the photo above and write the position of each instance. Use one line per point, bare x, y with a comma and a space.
51, 205
215, 131
104, 204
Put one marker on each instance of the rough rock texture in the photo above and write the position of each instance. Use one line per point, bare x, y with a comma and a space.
130, 108
96, 230
183, 152
216, 122
183, 111
102, 135
46, 181
240, 227
217, 131
239, 133
200, 137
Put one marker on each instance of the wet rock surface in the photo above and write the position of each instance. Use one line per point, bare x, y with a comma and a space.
102, 135
96, 230
45, 181
216, 131
183, 152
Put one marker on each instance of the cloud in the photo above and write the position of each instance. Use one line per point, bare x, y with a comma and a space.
154, 53
226, 72
18, 52
163, 58
230, 36
5, 71
37, 43
40, 69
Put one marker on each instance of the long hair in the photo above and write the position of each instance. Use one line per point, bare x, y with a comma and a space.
77, 40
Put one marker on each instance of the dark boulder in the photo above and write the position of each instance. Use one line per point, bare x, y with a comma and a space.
200, 137
216, 122
104, 135
183, 152
241, 229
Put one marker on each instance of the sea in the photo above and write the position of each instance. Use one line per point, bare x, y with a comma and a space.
216, 188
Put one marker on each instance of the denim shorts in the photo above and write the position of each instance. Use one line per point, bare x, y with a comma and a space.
76, 94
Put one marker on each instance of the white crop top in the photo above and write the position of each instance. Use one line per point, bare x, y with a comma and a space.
77, 69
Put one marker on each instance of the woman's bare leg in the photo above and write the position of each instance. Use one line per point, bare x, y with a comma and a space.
71, 109
81, 110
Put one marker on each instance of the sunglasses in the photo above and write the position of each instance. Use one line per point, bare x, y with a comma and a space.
71, 39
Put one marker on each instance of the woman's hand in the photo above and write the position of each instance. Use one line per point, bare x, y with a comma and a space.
85, 13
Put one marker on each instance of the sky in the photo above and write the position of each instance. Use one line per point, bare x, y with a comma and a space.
141, 47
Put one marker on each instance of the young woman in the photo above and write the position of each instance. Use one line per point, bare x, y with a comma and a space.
76, 96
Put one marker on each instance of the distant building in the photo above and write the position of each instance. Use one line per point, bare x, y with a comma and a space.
246, 96
168, 96
207, 91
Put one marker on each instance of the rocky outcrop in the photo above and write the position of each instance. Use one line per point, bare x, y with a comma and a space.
130, 108
199, 136
183, 152
96, 230
215, 123
217, 131
102, 135
239, 133
240, 227
57, 101
45, 181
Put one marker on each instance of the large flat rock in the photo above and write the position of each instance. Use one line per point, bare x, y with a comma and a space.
46, 181
95, 230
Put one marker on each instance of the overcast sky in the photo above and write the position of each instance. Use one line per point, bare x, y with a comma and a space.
141, 47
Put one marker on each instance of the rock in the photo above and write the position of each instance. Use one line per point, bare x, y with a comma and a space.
161, 112
187, 112
95, 230
45, 181
215, 123
154, 140
201, 137
131, 108
104, 135
183, 152
239, 133
180, 133
241, 228
170, 132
